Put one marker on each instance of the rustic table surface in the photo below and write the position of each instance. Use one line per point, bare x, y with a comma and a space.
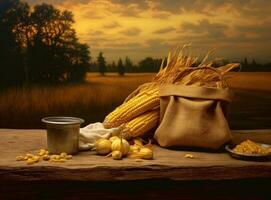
86, 166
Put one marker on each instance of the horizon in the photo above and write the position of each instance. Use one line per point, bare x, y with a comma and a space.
138, 29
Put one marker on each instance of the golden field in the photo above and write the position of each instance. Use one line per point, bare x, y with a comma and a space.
258, 81
24, 108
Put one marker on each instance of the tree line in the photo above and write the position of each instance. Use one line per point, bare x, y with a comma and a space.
254, 66
122, 66
150, 64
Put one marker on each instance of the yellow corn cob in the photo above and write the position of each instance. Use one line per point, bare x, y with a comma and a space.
141, 124
144, 101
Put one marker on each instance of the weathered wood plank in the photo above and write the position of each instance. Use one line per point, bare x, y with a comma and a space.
86, 166
133, 190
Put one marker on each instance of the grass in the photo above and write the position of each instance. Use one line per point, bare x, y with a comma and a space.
257, 81
24, 108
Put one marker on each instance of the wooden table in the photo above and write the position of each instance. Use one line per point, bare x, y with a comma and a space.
96, 175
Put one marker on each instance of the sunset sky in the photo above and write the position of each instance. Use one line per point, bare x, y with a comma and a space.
140, 28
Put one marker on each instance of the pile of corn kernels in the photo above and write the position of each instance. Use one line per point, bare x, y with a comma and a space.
43, 155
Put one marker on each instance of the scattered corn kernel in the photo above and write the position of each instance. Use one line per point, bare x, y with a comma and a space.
42, 152
62, 160
69, 157
46, 157
188, 155
30, 161
28, 155
63, 155
36, 158
20, 158
57, 157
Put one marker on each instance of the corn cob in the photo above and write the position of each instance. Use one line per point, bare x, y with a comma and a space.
145, 101
141, 124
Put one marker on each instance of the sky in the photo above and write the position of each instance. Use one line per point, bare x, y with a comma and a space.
139, 28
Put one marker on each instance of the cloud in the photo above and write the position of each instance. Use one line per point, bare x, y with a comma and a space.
149, 27
133, 31
173, 6
34, 2
253, 33
164, 30
205, 27
111, 25
95, 32
140, 4
130, 10
254, 8
87, 12
250, 8
157, 44
263, 27
127, 45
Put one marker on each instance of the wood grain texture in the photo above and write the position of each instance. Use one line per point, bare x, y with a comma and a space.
248, 189
86, 166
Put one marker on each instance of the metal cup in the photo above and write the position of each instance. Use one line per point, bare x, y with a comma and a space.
62, 134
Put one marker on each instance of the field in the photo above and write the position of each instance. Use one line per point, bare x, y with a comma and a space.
24, 108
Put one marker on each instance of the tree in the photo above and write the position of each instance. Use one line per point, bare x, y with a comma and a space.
121, 69
253, 63
113, 67
80, 64
128, 64
150, 65
101, 63
55, 48
245, 62
13, 19
39, 45
245, 65
93, 67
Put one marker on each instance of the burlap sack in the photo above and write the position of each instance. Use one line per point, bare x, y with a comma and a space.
193, 117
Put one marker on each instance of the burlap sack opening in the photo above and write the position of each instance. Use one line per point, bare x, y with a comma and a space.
193, 117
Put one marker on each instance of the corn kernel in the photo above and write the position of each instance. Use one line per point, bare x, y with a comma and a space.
188, 155
30, 161
46, 157
53, 160
28, 155
63, 155
42, 152
36, 158
20, 158
55, 156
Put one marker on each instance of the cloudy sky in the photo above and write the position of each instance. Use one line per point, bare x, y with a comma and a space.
140, 28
